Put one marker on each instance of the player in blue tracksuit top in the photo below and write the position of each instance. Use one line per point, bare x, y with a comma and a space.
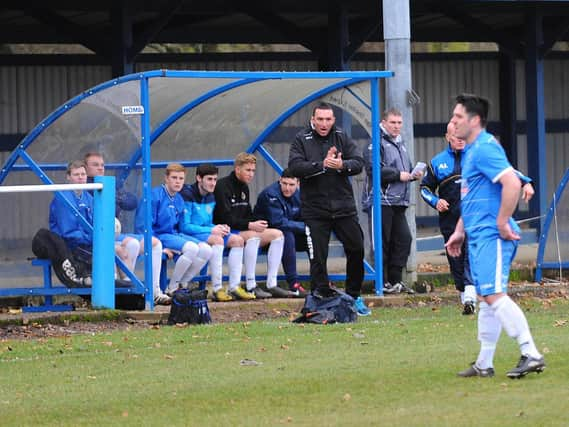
490, 189
279, 204
198, 222
167, 212
444, 174
62, 219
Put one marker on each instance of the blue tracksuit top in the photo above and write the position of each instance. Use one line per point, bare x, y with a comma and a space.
443, 173
167, 213
62, 219
198, 217
279, 211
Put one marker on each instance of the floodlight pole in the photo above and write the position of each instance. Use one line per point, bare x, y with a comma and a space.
400, 95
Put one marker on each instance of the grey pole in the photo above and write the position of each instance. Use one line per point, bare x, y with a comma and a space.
399, 94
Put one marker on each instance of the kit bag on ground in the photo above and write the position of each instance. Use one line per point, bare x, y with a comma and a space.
327, 306
189, 306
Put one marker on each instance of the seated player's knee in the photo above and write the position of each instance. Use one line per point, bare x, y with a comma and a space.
235, 240
204, 251
190, 250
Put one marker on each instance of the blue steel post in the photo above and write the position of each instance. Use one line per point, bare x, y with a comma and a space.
375, 156
146, 193
103, 295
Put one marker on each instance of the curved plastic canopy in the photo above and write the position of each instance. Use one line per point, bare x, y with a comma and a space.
146, 120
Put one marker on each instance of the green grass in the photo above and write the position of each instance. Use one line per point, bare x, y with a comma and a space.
397, 367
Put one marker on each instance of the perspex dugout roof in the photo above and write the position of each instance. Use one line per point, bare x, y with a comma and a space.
149, 119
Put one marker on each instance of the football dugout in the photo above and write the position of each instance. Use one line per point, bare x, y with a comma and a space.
143, 121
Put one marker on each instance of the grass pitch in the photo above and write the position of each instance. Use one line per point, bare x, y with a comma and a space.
395, 368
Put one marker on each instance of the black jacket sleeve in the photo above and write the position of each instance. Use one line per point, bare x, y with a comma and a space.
299, 162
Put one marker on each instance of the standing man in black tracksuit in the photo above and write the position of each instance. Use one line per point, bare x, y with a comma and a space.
324, 158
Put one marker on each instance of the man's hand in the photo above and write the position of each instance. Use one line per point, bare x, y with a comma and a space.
333, 159
220, 230
454, 243
405, 176
507, 233
418, 175
259, 226
442, 205
169, 253
527, 192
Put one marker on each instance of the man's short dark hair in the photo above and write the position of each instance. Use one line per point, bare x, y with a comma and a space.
206, 169
287, 174
475, 106
322, 106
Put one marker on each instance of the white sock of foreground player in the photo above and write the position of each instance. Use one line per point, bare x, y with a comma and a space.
216, 267
250, 260
489, 329
515, 324
235, 266
274, 257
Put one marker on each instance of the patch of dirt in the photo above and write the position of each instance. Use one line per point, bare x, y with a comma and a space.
50, 326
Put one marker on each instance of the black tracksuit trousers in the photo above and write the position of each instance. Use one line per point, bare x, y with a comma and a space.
396, 240
349, 233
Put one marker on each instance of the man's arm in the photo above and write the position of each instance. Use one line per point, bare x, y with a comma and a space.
456, 239
509, 200
271, 209
429, 186
352, 159
187, 226
299, 163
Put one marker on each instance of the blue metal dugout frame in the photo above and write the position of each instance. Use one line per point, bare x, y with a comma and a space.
549, 219
141, 158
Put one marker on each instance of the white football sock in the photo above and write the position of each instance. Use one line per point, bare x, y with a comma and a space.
156, 267
216, 267
515, 324
274, 257
462, 298
250, 259
199, 261
235, 265
470, 293
132, 247
489, 329
189, 252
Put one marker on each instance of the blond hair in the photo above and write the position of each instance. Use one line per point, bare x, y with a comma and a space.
174, 167
244, 158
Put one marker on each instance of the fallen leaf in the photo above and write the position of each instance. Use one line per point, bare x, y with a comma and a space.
168, 356
125, 414
284, 347
347, 397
